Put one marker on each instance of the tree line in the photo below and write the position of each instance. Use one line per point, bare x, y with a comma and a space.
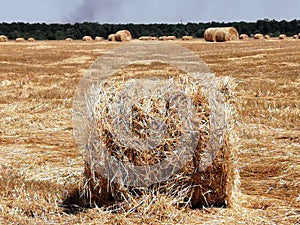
43, 31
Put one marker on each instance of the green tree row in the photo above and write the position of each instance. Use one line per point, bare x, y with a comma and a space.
43, 31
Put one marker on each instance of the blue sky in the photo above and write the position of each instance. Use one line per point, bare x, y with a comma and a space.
143, 11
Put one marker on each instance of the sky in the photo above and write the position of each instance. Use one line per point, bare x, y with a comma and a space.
147, 11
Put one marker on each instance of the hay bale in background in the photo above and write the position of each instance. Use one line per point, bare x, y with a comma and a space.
282, 36
162, 38
31, 39
244, 36
189, 186
147, 38
111, 37
171, 38
98, 39
267, 37
187, 38
221, 34
69, 39
87, 38
123, 35
20, 40
296, 36
3, 38
259, 36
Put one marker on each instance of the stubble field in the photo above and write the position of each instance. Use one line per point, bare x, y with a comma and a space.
41, 168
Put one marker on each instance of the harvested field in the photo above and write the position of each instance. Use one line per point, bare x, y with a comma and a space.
41, 168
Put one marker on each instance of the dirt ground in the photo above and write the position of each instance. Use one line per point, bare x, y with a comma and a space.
41, 167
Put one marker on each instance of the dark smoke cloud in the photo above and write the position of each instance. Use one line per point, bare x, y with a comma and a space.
95, 11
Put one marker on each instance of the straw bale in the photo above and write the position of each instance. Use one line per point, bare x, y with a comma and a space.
147, 38
20, 40
259, 36
267, 37
282, 36
187, 38
296, 36
123, 35
99, 39
195, 184
221, 34
171, 38
244, 36
162, 38
31, 39
3, 38
87, 38
112, 37
69, 39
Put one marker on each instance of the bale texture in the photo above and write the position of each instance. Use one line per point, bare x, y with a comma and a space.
187, 38
112, 37
244, 36
87, 38
3, 38
282, 36
31, 40
20, 40
221, 34
98, 39
258, 36
190, 186
123, 35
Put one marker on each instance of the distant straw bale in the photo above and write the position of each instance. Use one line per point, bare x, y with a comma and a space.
69, 39
20, 40
31, 39
123, 35
221, 34
187, 38
244, 36
268, 37
147, 38
296, 36
282, 36
162, 38
111, 37
258, 36
87, 38
171, 38
3, 38
98, 39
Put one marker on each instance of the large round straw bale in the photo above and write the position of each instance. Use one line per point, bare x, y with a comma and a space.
191, 185
69, 39
259, 36
87, 38
244, 36
31, 39
20, 40
99, 39
3, 38
112, 37
123, 35
221, 34
267, 37
282, 36
296, 36
187, 38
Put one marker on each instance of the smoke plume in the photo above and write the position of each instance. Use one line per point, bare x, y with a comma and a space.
95, 11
